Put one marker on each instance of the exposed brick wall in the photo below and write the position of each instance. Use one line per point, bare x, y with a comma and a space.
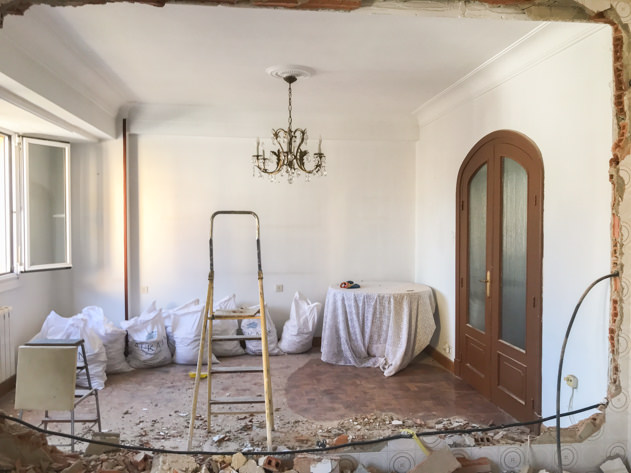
619, 150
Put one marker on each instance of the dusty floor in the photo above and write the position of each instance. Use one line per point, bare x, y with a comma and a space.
314, 402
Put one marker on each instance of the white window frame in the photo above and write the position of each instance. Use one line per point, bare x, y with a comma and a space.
8, 213
25, 206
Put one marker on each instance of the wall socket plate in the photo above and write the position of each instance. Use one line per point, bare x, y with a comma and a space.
571, 380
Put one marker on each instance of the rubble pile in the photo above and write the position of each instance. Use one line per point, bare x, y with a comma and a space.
23, 450
376, 426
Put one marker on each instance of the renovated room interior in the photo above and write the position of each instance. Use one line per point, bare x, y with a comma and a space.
399, 100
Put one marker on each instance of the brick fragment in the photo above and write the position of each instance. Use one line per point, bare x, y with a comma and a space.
271, 463
479, 465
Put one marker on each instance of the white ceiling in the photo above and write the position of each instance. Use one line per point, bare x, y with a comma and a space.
122, 55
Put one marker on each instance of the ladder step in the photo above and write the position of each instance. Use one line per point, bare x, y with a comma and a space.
237, 314
235, 413
238, 400
236, 369
221, 338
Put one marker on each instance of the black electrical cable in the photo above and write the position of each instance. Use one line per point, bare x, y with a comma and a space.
304, 450
567, 335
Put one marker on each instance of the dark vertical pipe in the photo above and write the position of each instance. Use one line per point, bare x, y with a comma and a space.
125, 219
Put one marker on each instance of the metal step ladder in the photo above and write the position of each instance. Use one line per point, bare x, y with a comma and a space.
208, 338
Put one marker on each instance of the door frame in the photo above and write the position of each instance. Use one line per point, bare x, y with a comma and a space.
534, 263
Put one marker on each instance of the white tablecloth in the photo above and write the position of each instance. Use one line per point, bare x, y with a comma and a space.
381, 324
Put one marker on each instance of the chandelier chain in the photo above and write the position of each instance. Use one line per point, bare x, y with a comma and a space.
289, 107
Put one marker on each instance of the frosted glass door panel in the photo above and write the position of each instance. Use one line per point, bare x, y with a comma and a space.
477, 249
514, 218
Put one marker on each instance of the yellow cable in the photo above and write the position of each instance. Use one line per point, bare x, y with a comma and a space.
420, 444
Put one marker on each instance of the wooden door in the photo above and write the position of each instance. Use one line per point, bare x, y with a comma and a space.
498, 274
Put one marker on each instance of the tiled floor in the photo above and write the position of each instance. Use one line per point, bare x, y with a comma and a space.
424, 390
312, 399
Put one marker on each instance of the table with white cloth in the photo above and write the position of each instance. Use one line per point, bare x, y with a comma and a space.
379, 324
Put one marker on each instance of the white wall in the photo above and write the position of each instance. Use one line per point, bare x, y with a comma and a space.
563, 103
358, 222
97, 276
32, 296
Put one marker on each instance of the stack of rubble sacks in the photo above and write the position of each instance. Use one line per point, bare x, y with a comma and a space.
159, 336
104, 342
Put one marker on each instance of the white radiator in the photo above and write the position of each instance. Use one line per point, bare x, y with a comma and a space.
7, 351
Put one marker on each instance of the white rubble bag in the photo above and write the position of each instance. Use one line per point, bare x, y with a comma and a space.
148, 347
226, 327
113, 338
252, 327
56, 326
169, 314
186, 329
298, 331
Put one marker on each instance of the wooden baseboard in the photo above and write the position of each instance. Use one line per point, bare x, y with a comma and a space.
317, 342
7, 385
441, 359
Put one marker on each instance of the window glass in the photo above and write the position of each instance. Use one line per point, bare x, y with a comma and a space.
46, 205
6, 243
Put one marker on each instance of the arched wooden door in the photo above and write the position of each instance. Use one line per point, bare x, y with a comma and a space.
498, 275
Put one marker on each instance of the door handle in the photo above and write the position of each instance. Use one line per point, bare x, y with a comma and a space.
487, 281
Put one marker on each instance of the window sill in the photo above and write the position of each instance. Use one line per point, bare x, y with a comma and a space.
9, 282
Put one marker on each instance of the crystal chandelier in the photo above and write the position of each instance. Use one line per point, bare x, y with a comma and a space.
289, 157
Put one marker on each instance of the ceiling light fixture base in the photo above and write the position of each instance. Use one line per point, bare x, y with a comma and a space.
290, 70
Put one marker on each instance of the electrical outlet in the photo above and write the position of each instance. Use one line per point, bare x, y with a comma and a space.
447, 349
279, 288
572, 381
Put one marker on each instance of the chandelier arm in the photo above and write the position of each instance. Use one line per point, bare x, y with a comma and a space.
264, 170
300, 154
282, 153
305, 170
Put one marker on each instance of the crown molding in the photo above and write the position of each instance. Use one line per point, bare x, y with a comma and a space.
539, 45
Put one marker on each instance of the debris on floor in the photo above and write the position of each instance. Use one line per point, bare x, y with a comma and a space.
109, 437
479, 465
614, 465
574, 434
23, 447
439, 461
366, 427
26, 451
